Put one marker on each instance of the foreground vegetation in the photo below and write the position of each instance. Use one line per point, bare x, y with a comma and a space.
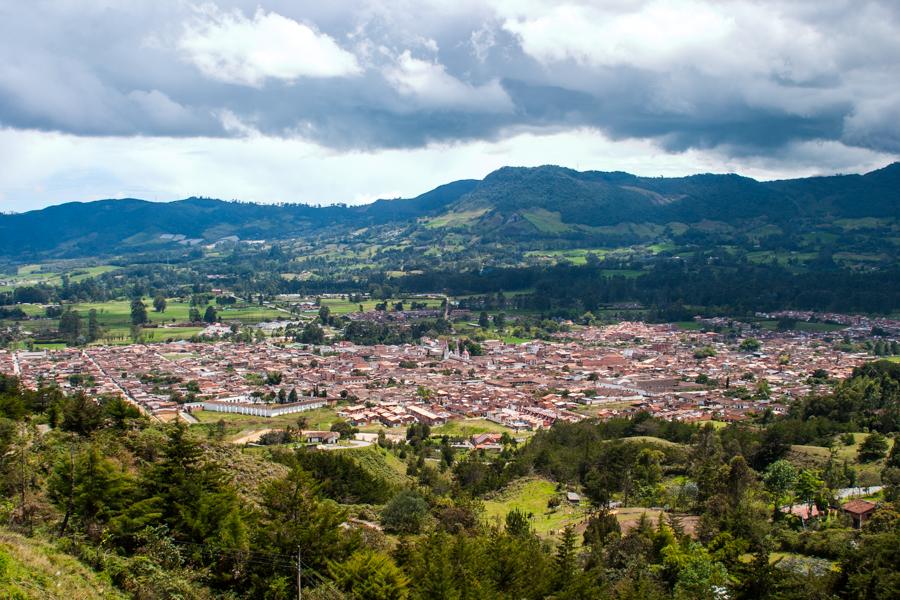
125, 507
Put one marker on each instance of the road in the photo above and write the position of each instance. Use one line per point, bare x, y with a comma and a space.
128, 397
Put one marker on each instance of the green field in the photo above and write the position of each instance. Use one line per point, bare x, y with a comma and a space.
470, 427
52, 274
531, 495
455, 219
115, 319
339, 306
546, 221
240, 425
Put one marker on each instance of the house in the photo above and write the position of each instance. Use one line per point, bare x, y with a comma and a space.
859, 511
804, 512
573, 497
322, 437
487, 441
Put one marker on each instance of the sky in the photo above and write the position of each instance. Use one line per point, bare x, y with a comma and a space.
350, 101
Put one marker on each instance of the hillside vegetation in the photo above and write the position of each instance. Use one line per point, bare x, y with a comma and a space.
545, 202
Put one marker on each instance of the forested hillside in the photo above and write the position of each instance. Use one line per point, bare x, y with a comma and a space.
544, 203
673, 510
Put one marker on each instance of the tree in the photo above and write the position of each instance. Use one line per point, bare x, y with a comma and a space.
139, 312
324, 314
565, 558
194, 315
94, 329
292, 515
780, 478
809, 487
119, 412
191, 496
345, 429
81, 414
370, 575
159, 303
483, 320
89, 488
210, 315
873, 448
499, 320
312, 333
70, 326
404, 513
694, 572
601, 527
518, 522
750, 345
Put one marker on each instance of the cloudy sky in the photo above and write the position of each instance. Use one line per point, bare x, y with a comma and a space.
283, 100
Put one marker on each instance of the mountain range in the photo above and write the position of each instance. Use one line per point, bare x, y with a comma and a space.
539, 204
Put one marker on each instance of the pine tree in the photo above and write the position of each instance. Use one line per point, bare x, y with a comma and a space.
565, 558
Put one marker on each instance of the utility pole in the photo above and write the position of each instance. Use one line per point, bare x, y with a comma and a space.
299, 575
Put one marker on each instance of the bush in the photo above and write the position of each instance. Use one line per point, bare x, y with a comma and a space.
405, 513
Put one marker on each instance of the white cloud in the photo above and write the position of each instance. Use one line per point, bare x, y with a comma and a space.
230, 47
482, 40
717, 38
431, 86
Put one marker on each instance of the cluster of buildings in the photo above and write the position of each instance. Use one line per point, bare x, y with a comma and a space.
593, 371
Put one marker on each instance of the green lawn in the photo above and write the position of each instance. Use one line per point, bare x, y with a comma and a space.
470, 427
531, 495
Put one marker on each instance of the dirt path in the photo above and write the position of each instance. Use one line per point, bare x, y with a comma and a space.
252, 436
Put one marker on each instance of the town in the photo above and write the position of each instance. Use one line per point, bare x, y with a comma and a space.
602, 372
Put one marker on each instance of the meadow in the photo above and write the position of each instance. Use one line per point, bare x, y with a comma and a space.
532, 495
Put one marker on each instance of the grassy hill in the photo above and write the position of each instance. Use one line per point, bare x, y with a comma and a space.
31, 568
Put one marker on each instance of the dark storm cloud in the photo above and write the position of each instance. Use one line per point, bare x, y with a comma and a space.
751, 77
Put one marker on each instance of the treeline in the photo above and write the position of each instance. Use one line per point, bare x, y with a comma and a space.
675, 283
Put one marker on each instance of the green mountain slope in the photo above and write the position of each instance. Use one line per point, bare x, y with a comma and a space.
535, 203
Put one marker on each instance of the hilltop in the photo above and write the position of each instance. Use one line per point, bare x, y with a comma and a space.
539, 204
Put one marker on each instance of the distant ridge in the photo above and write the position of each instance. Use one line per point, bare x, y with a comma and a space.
535, 202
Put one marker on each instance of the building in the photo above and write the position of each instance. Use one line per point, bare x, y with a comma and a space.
263, 410
859, 511
322, 437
